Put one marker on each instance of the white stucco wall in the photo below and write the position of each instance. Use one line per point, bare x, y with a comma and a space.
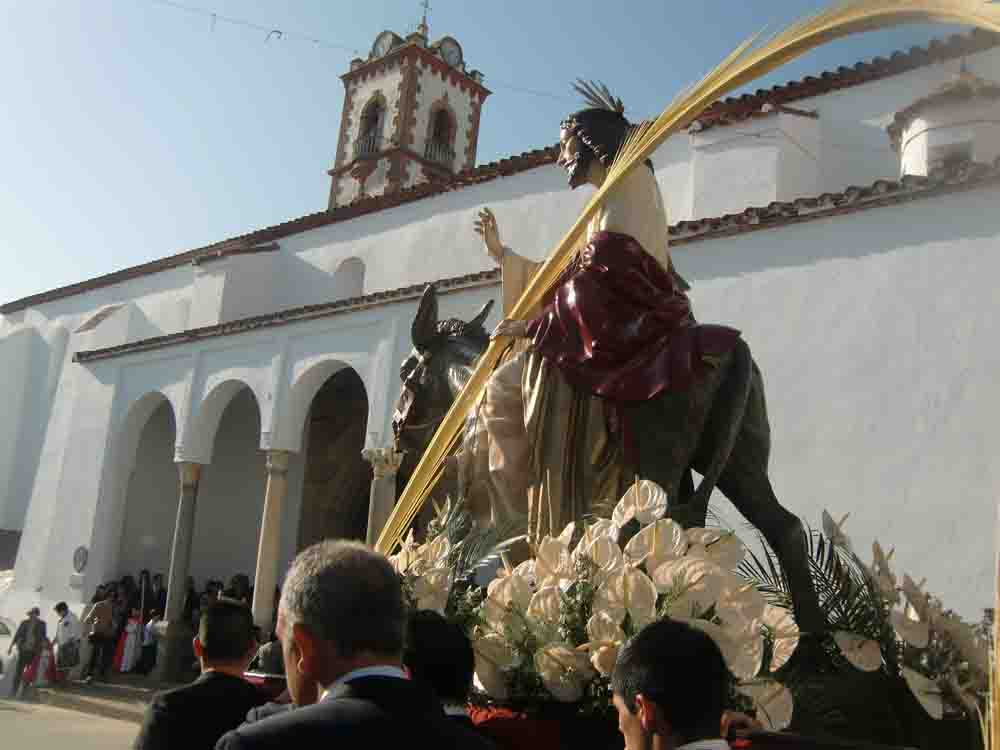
870, 330
976, 123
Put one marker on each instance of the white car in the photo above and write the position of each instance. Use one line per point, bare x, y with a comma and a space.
7, 661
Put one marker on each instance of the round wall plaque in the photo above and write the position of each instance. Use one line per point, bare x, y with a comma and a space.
80, 559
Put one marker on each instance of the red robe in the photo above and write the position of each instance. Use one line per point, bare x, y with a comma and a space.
619, 327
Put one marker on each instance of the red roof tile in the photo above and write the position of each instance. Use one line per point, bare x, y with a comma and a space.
747, 106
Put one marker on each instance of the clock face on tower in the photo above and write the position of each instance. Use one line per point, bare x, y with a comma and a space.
451, 52
383, 43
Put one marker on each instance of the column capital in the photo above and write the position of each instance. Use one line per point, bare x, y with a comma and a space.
190, 473
276, 461
385, 461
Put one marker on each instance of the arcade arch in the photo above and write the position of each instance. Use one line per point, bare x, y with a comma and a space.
337, 480
150, 486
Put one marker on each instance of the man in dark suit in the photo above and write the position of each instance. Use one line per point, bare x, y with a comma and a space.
197, 715
341, 622
439, 654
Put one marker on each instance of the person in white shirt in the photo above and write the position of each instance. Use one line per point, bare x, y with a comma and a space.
670, 686
67, 640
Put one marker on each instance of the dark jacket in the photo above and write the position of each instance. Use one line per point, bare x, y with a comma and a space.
195, 716
368, 712
21, 637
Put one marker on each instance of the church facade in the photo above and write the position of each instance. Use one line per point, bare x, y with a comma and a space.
205, 414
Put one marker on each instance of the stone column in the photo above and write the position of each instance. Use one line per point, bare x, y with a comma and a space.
269, 547
385, 463
174, 653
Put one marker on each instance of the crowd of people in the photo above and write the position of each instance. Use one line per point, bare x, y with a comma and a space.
117, 627
361, 668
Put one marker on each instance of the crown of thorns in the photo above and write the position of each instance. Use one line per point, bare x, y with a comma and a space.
598, 99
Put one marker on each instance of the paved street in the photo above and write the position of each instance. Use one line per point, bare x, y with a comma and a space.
39, 727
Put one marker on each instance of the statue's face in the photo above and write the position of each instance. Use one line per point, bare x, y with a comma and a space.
574, 157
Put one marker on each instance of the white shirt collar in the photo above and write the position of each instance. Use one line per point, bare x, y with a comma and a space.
384, 670
705, 745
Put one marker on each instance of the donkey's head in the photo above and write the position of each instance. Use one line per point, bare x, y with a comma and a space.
443, 357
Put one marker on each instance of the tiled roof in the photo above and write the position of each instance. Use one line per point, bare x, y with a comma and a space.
880, 193
724, 112
748, 106
964, 88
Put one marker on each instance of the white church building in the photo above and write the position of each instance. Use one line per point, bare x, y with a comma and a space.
848, 224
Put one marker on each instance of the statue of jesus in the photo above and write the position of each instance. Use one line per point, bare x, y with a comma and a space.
613, 379
617, 331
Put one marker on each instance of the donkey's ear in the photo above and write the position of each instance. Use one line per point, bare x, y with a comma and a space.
425, 323
481, 316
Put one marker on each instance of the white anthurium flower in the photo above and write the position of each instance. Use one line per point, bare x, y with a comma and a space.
773, 702
743, 649
431, 555
565, 672
513, 590
834, 530
604, 658
926, 691
630, 591
721, 546
604, 553
526, 571
566, 535
553, 563
602, 628
545, 608
739, 603
909, 628
602, 527
402, 560
432, 588
657, 543
493, 656
646, 501
863, 653
693, 583
606, 638
784, 634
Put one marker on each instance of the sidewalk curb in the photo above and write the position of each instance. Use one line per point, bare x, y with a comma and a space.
83, 704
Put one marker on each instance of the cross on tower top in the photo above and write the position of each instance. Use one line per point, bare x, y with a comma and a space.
422, 28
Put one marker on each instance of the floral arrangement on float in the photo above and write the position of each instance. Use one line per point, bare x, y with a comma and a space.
549, 628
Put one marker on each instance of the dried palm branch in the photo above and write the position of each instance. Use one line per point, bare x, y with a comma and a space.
747, 63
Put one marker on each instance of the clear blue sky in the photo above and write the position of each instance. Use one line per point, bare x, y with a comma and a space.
133, 130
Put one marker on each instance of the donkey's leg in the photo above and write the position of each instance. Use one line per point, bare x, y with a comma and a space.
745, 483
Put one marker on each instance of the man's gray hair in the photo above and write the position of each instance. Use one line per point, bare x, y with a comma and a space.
347, 594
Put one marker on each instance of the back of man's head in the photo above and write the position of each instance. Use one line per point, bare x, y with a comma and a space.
61, 609
439, 654
682, 671
348, 595
225, 632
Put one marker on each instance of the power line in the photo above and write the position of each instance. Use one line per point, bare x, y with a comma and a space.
272, 32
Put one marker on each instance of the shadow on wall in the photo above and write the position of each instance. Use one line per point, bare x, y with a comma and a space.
9, 541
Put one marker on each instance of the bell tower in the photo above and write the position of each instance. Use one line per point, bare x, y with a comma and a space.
411, 115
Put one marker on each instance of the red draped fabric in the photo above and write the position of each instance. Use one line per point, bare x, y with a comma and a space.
620, 327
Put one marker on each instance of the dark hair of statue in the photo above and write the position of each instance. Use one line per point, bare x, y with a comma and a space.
225, 630
438, 653
681, 669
